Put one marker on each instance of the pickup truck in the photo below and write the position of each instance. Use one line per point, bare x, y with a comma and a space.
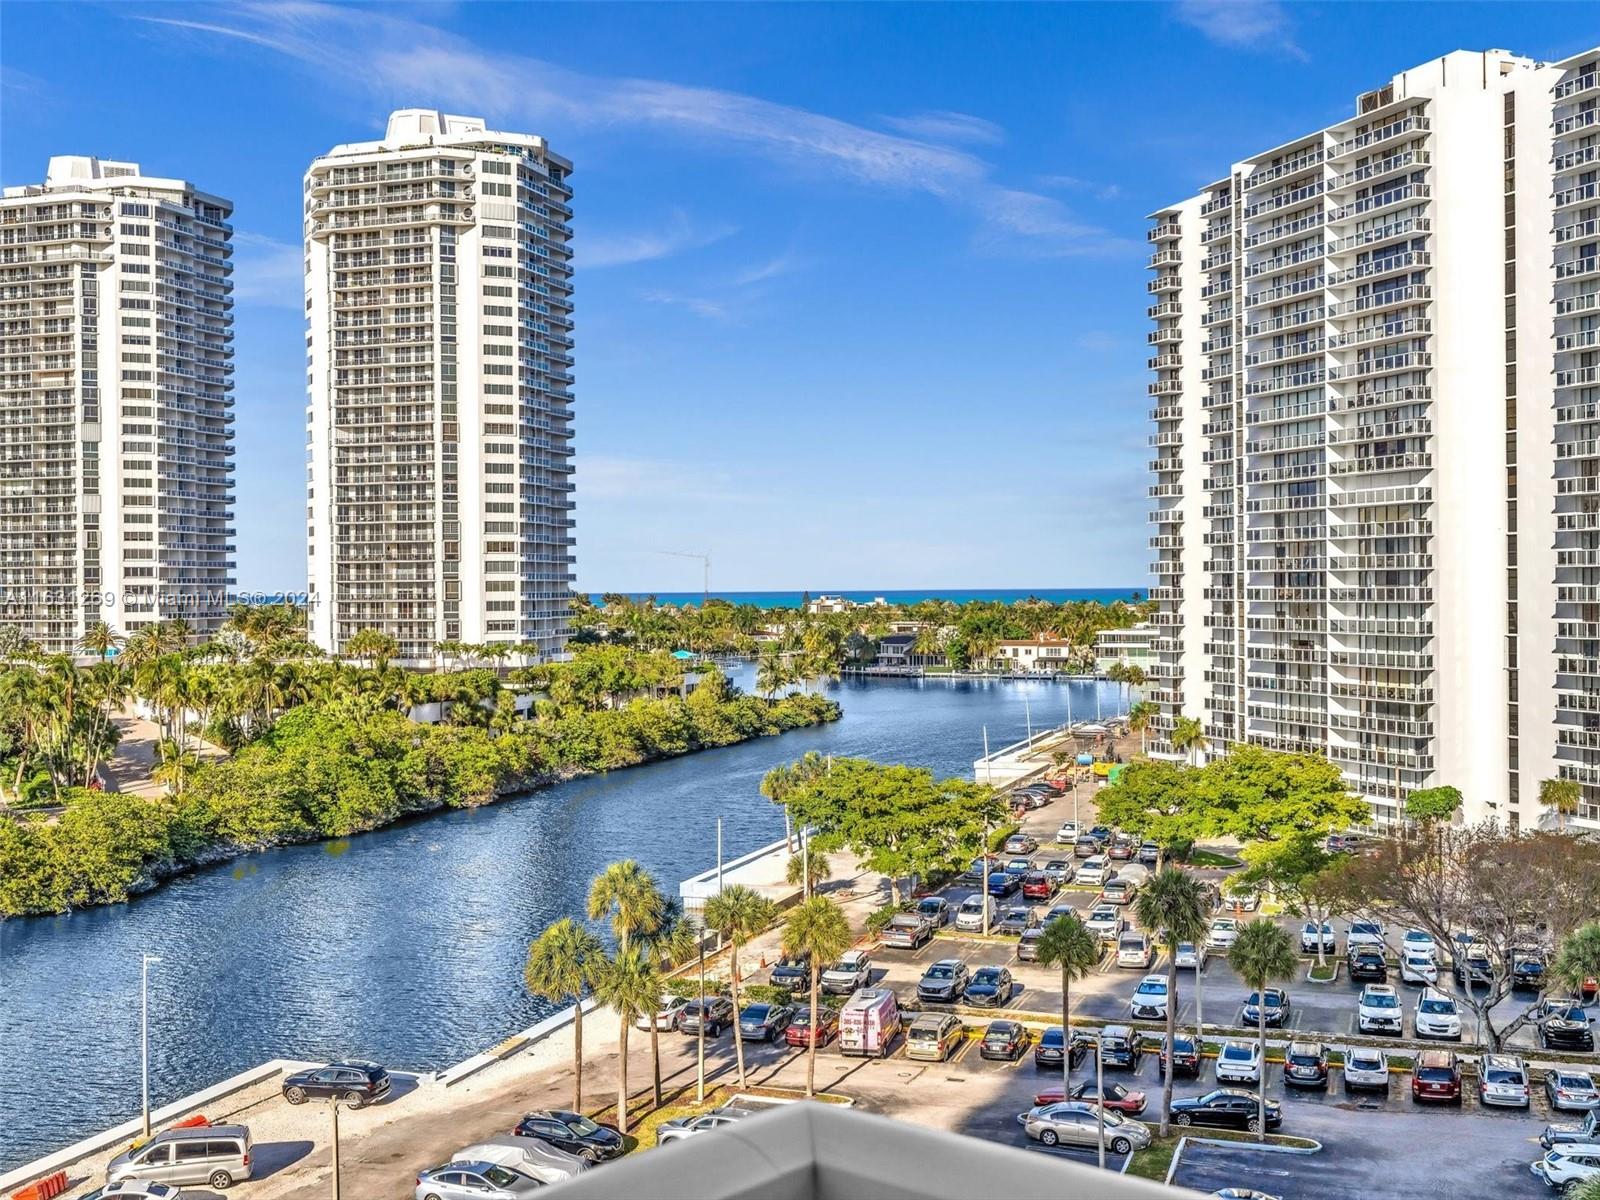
906, 931
1586, 1131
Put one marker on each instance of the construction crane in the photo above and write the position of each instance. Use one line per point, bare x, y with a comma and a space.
705, 560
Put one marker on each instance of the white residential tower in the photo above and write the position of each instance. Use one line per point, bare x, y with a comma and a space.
439, 357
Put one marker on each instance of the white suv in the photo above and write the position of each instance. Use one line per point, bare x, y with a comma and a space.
1365, 933
1378, 1010
1150, 999
1568, 1165
1437, 1016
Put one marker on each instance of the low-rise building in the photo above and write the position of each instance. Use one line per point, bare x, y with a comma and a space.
1132, 647
1045, 654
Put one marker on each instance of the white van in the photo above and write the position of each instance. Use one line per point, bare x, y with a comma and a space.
869, 1022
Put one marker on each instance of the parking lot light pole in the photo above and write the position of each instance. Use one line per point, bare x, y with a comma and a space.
144, 1036
1100, 1094
334, 1107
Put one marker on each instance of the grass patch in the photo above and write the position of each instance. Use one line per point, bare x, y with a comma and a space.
680, 1102
1210, 858
1325, 973
1155, 1161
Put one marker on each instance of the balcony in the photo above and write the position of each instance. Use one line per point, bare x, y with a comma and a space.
1164, 232
1165, 283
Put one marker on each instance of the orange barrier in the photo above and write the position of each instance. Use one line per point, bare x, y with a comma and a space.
44, 1189
198, 1121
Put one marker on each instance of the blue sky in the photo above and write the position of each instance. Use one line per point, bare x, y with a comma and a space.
861, 288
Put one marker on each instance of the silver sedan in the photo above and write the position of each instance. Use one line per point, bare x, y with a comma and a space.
1573, 1091
475, 1181
1074, 1123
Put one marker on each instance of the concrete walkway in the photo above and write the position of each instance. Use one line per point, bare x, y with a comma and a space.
131, 767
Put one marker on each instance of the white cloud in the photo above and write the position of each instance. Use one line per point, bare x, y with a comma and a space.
1242, 24
621, 249
395, 56
702, 306
948, 127
268, 272
781, 264
1071, 183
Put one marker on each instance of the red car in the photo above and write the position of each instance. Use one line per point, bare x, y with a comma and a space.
1437, 1077
799, 1031
1036, 885
1117, 1097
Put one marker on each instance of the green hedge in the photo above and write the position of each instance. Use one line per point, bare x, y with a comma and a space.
345, 766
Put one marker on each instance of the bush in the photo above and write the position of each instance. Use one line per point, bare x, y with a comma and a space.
687, 987
997, 839
879, 917
765, 993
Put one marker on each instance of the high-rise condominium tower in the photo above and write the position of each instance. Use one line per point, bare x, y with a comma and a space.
1377, 497
116, 403
439, 295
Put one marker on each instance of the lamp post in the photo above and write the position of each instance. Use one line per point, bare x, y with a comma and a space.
1100, 1093
334, 1108
144, 1035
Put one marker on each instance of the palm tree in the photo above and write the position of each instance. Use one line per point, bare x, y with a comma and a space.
1140, 713
1067, 944
672, 942
1172, 904
773, 674
807, 870
1262, 954
738, 913
99, 640
816, 929
1188, 734
627, 894
630, 985
1587, 1189
776, 785
563, 963
1562, 795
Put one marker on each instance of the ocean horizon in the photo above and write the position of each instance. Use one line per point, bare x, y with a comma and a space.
793, 599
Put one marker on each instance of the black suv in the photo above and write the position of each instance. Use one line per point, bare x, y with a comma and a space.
572, 1132
1305, 1065
1564, 1025
1120, 1047
1472, 967
1527, 971
1185, 1057
1366, 962
355, 1082
792, 973
1047, 1050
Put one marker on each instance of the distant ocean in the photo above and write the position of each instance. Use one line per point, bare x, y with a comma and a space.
955, 595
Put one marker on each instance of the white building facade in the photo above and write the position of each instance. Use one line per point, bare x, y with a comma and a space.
116, 403
1368, 501
438, 359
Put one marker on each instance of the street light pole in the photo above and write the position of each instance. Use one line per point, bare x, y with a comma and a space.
335, 1108
144, 1035
1100, 1094
983, 882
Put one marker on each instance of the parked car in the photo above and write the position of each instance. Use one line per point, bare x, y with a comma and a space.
1366, 962
1149, 1001
1305, 1064
475, 1181
1058, 910
1093, 871
1184, 1056
1118, 891
1028, 944
1002, 884
1243, 899
1190, 956
1365, 933
1436, 1076
1311, 933
1019, 867
980, 868
1365, 1067
1417, 966
1047, 1050
1101, 834
852, 971
1224, 932
1085, 847
1073, 1123
793, 972
1239, 1062
1134, 950
1378, 1010
764, 1022
1117, 1099
1059, 871
933, 1036
679, 1128
665, 1016
1503, 1081
527, 1155
1587, 1130
869, 1022
1149, 854
1068, 833
1226, 1108
1004, 1040
1122, 848
1277, 1005
906, 931
1036, 885
1474, 966
572, 1132
1017, 919
970, 916
936, 910
1565, 1167
1120, 1047
715, 1011
801, 1032
1021, 843
1571, 1090
1564, 1025
134, 1189
1106, 922
989, 987
1527, 971
217, 1156
355, 1083
1437, 1016
944, 981
1419, 940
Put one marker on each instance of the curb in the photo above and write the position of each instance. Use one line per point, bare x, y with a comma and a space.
1177, 1156
1268, 1146
1312, 965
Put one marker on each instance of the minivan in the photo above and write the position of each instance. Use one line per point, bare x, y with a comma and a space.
868, 1022
933, 1037
215, 1155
